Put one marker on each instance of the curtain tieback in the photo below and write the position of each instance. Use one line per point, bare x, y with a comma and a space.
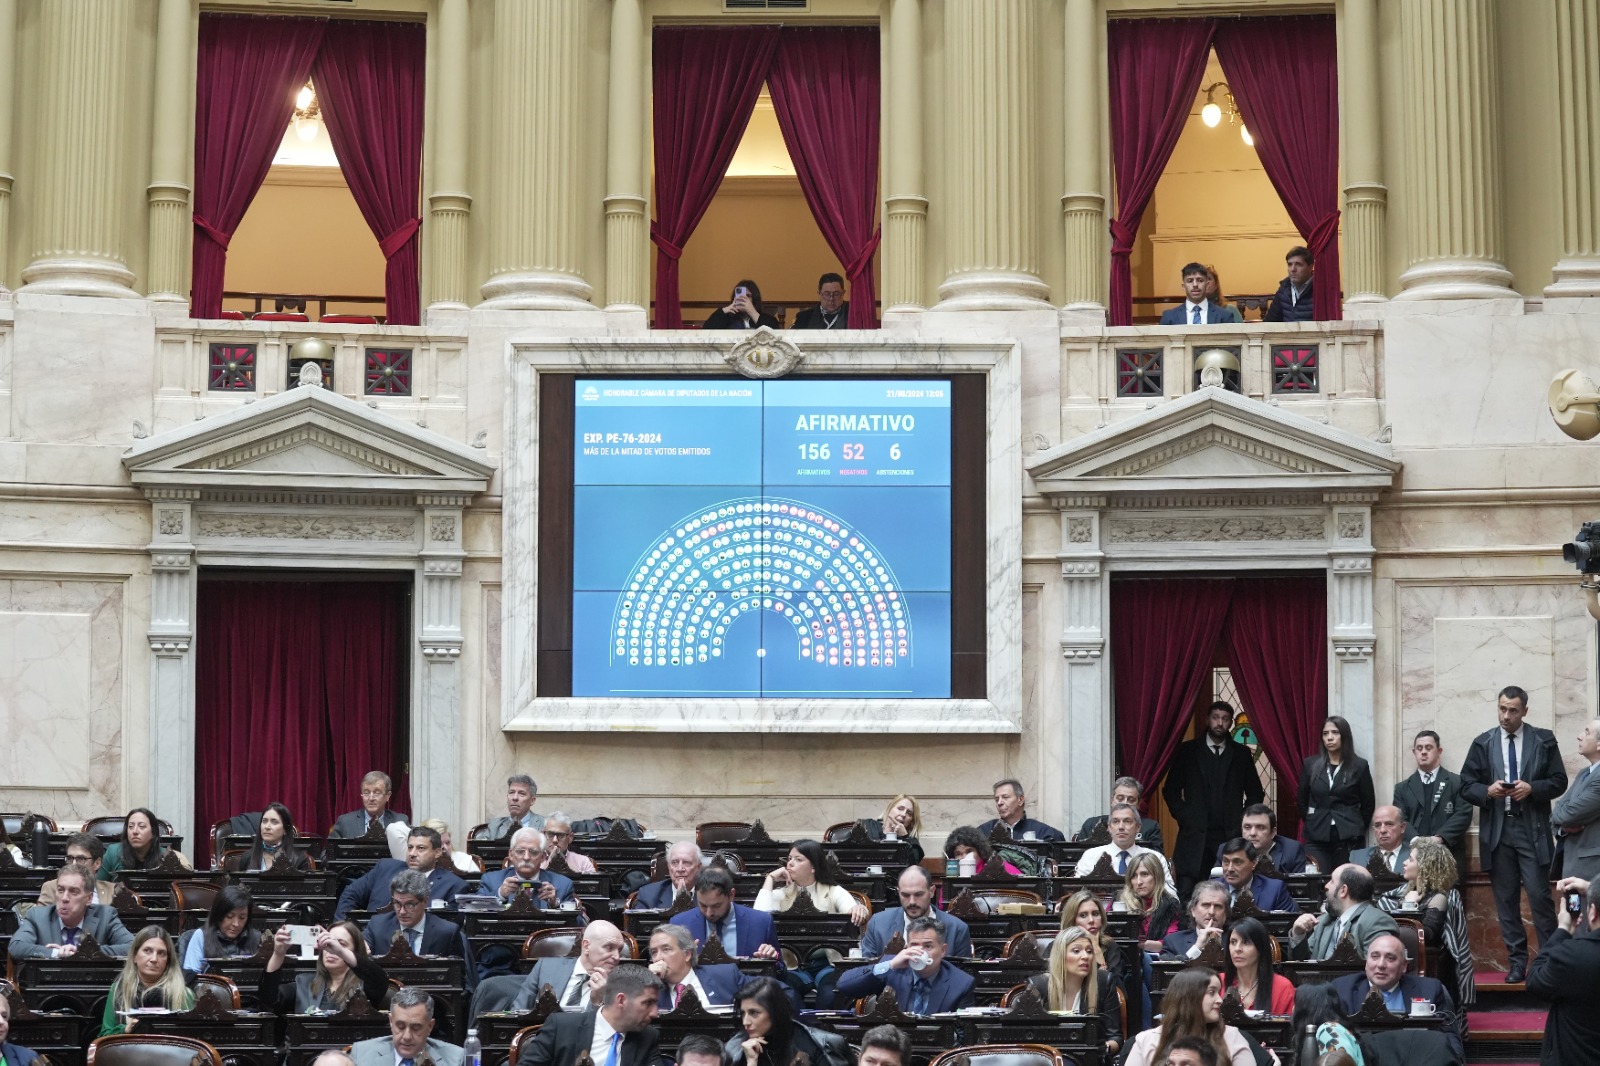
1122, 238
1324, 232
668, 249
863, 262
397, 239
217, 236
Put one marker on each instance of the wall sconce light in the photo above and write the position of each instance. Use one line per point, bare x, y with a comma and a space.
307, 112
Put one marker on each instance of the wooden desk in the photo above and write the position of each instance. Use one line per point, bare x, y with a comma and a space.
316, 892
509, 928
445, 976
72, 983
60, 1035
154, 887
1081, 1037
930, 1037
311, 1034
243, 1038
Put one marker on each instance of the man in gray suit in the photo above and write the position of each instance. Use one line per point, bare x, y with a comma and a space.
916, 901
55, 931
1348, 911
410, 1041
575, 980
376, 788
521, 795
1577, 814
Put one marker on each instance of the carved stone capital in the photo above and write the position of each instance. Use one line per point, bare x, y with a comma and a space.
166, 647
1082, 650
171, 561
1352, 650
436, 651
1353, 565
442, 567
1080, 568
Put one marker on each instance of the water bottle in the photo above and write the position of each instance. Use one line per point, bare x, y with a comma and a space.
41, 843
1308, 1047
472, 1050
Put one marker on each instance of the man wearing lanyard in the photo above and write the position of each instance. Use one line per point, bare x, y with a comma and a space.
1513, 772
618, 1034
832, 310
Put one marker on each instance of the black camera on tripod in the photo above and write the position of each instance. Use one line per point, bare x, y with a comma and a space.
1584, 551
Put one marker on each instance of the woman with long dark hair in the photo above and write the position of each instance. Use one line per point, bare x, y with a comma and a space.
228, 932
965, 841
139, 848
1317, 1006
1336, 797
1192, 1007
743, 311
274, 838
769, 1034
1249, 969
343, 966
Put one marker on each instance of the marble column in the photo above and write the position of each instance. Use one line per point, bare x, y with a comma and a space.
1351, 678
1451, 130
992, 249
1577, 44
449, 205
1086, 725
1083, 205
1366, 198
436, 741
78, 224
905, 208
171, 637
627, 208
170, 219
8, 66
540, 114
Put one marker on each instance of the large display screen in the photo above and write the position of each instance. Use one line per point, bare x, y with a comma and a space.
783, 539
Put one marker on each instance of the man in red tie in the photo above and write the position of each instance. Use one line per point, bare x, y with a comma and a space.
673, 953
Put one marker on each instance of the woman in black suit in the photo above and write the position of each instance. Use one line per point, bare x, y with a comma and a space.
1336, 797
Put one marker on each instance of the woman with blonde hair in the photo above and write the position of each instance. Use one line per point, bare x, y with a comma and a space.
1145, 893
1084, 910
1077, 984
1430, 888
151, 977
902, 818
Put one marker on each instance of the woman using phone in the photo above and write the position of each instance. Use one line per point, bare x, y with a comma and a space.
743, 311
343, 966
1336, 797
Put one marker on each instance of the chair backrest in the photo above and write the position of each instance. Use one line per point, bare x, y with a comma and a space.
862, 898
106, 827
837, 832
151, 1049
523, 1036
194, 895
552, 943
214, 986
989, 899
1042, 941
1001, 1055
1415, 940
716, 834
13, 821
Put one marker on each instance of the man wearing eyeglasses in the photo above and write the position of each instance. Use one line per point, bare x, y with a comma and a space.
85, 850
549, 889
423, 933
558, 841
376, 788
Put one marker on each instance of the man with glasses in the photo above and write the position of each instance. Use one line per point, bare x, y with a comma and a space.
376, 788
558, 841
423, 933
425, 854
86, 850
549, 889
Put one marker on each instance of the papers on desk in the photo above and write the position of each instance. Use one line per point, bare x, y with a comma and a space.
472, 903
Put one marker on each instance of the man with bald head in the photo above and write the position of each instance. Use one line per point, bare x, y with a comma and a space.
1386, 972
916, 901
575, 980
1347, 912
684, 863
1388, 840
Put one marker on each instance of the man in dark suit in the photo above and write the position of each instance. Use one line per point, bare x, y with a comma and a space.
745, 933
1386, 972
376, 789
1212, 780
1012, 806
1388, 840
618, 1034
424, 933
922, 983
1577, 814
425, 854
55, 931
1208, 917
1239, 873
1513, 773
684, 863
1127, 790
1566, 974
832, 310
550, 890
1197, 309
1260, 827
1432, 802
916, 901
672, 958
574, 980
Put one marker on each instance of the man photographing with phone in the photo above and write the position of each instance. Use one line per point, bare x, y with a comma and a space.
1566, 974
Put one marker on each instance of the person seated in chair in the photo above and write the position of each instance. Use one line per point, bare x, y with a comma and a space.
88, 851
1208, 917
425, 933
425, 854
549, 889
1012, 807
228, 932
14, 1055
150, 977
743, 311
1385, 971
521, 795
410, 1036
344, 967
140, 847
617, 1033
55, 931
1349, 912
684, 863
673, 954
1239, 873
922, 983
1388, 840
558, 841
745, 932
1123, 821
915, 887
832, 310
1197, 309
1260, 827
274, 840
575, 980
1127, 790
376, 788
1076, 983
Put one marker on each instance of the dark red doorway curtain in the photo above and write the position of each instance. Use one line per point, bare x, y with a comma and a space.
248, 69
369, 76
825, 91
1277, 641
1284, 73
300, 688
1155, 68
706, 82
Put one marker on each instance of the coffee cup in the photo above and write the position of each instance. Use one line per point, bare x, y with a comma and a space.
874, 869
1030, 835
1422, 1008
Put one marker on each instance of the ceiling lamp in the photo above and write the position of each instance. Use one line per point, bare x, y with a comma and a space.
1211, 113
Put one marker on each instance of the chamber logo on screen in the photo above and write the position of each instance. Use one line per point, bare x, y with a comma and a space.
762, 553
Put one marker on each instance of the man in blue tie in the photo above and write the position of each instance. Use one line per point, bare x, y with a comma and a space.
922, 984
1197, 308
619, 1033
410, 1040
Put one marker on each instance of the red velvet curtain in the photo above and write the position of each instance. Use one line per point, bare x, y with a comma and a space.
825, 90
299, 690
1155, 70
248, 70
1284, 73
706, 82
369, 78
1163, 633
1277, 640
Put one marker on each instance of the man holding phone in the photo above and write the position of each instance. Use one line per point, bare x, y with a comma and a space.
1566, 974
549, 889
